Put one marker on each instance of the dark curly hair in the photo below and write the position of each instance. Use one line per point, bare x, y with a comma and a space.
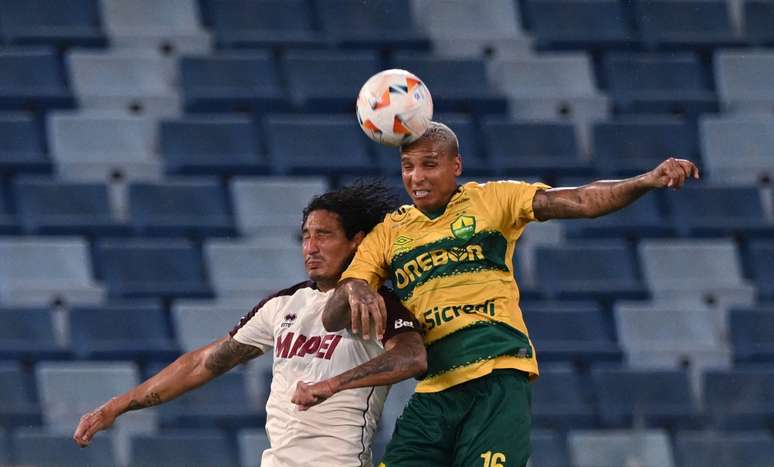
360, 206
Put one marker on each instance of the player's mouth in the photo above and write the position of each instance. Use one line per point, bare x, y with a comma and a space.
420, 194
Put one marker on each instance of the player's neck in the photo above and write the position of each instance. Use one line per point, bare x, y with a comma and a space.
326, 284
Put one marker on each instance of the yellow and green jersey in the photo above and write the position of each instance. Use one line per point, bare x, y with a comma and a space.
454, 272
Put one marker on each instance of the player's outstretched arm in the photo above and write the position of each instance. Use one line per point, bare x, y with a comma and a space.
404, 358
355, 305
189, 371
603, 197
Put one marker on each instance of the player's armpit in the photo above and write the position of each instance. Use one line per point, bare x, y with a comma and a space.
228, 354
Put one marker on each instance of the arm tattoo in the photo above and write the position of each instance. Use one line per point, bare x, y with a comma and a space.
150, 400
228, 355
592, 200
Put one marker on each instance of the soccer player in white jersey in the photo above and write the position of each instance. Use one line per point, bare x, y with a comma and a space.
351, 372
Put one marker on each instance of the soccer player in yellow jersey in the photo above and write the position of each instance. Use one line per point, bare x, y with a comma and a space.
449, 259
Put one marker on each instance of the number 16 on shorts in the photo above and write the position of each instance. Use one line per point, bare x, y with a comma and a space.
493, 459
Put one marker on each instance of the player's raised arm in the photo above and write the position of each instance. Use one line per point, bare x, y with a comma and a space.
603, 197
188, 372
355, 305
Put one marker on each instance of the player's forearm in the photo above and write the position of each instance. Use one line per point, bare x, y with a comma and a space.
337, 315
592, 200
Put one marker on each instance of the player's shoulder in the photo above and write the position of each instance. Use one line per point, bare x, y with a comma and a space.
286, 292
398, 215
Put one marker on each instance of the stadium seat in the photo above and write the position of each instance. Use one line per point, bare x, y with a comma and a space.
32, 79
242, 268
328, 82
252, 443
760, 258
741, 80
318, 144
268, 23
171, 27
121, 332
723, 449
752, 334
18, 404
223, 402
107, 144
674, 83
642, 219
583, 337
602, 270
69, 390
271, 207
181, 448
190, 207
528, 148
37, 271
133, 82
21, 145
653, 398
8, 224
456, 84
740, 399
758, 15
631, 146
29, 334
559, 400
152, 268
198, 324
231, 82
713, 272
700, 24
610, 448
549, 449
46, 206
39, 447
60, 24
377, 24
736, 150
5, 454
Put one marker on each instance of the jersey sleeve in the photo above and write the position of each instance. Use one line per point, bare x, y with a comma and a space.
370, 262
255, 328
514, 201
399, 319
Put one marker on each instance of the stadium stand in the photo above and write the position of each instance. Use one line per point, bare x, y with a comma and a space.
559, 401
183, 447
617, 447
29, 335
33, 446
22, 147
751, 331
59, 24
696, 449
32, 79
761, 261
251, 444
742, 87
18, 404
739, 399
698, 24
734, 148
197, 324
549, 449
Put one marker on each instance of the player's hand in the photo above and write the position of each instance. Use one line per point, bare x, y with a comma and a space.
309, 395
95, 421
366, 307
672, 173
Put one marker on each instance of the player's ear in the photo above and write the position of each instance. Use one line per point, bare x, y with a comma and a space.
458, 165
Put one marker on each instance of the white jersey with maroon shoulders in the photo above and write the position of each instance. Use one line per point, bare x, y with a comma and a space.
338, 432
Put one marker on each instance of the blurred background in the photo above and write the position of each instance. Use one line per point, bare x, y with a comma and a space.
155, 156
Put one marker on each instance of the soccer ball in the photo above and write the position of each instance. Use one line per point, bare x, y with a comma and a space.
394, 107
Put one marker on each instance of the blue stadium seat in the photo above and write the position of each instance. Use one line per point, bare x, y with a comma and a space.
195, 207
180, 448
707, 211
206, 146
268, 23
741, 80
740, 399
150, 268
723, 449
60, 24
560, 25
199, 323
559, 400
379, 24
628, 147
311, 145
32, 79
28, 334
39, 447
752, 334
643, 219
47, 206
121, 332
601, 270
671, 24
223, 402
8, 224
736, 148
655, 398
549, 449
608, 448
231, 82
674, 83
328, 82
252, 443
760, 258
456, 84
527, 148
5, 455
583, 336
758, 17
18, 405
21, 145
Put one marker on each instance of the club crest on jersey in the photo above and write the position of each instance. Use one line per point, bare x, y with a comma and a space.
464, 227
289, 318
